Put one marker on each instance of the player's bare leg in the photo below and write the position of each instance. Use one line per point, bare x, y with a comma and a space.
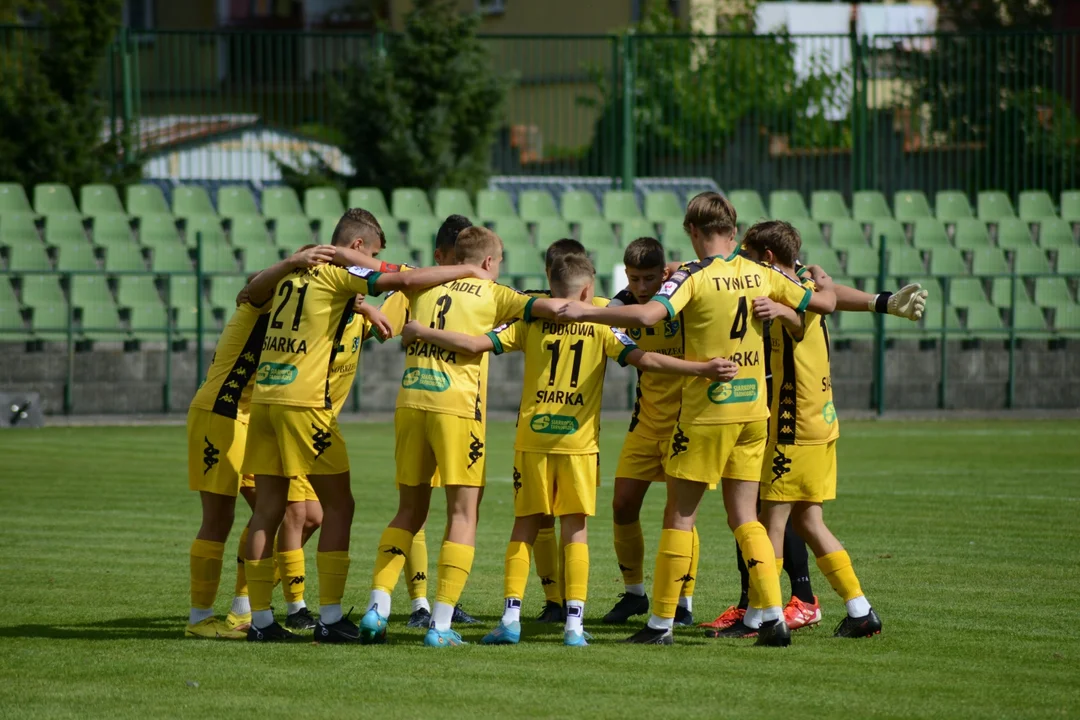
575, 546
455, 561
547, 553
629, 549
332, 559
290, 559
271, 499
515, 577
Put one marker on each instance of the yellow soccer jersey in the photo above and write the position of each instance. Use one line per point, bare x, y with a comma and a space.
347, 359
227, 388
440, 380
715, 297
597, 301
311, 308
800, 383
564, 382
658, 396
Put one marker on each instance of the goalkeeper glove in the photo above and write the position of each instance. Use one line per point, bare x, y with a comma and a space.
908, 302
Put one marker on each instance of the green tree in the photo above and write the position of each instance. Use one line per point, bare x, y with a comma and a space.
51, 116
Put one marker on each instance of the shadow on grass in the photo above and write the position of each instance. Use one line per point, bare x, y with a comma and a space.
140, 628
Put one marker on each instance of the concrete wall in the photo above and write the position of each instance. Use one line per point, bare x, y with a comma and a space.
110, 380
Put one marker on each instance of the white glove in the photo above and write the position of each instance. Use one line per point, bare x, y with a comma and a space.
908, 302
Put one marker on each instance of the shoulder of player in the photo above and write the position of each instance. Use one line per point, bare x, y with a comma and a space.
769, 268
537, 293
623, 297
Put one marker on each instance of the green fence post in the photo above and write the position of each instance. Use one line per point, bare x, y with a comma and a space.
69, 380
166, 391
879, 335
629, 149
198, 308
1010, 388
943, 383
128, 97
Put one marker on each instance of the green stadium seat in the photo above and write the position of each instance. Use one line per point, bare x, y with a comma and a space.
847, 234
281, 202
605, 259
453, 201
250, 231
526, 266
537, 205
1055, 233
409, 203
171, 258
548, 230
64, 229
1068, 260
206, 226
1067, 320
13, 199
7, 295
99, 200
809, 232
422, 231
76, 257
397, 254
13, 327
596, 233
183, 291
223, 292
676, 242
218, 259
664, 205
40, 290
578, 205
370, 199
965, 292
930, 233
1000, 289
971, 233
101, 321
236, 201
862, 262
635, 228
1030, 261
111, 229
854, 324
19, 229
292, 232
148, 320
259, 257
28, 256
327, 225
621, 206
1052, 292
988, 261
157, 230
513, 231
824, 257
1035, 205
893, 230
786, 205
1070, 206
323, 202
906, 261
931, 322
911, 206
947, 261
1014, 233
423, 257
749, 208
984, 320
933, 286
88, 289
53, 198
1028, 319
994, 205
124, 258
146, 200
869, 205
189, 200
828, 205
49, 321
136, 290
491, 204
951, 205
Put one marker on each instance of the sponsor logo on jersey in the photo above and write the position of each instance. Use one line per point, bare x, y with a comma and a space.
669, 287
829, 412
425, 379
622, 337
671, 328
739, 390
275, 374
635, 333
554, 424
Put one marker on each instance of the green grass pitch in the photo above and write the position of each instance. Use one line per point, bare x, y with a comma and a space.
964, 535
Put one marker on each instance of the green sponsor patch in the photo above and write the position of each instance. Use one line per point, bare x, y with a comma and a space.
554, 424
275, 374
829, 412
737, 391
425, 379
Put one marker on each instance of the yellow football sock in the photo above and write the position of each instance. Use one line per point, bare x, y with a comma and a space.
393, 546
546, 555
455, 563
333, 572
241, 589
757, 552
672, 566
416, 566
260, 575
277, 565
516, 569
576, 562
205, 558
695, 555
836, 567
291, 565
630, 552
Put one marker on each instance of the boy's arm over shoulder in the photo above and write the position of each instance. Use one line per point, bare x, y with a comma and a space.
509, 337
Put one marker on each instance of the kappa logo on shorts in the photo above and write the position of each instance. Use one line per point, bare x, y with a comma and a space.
679, 441
476, 450
781, 465
320, 440
298, 580
517, 481
210, 455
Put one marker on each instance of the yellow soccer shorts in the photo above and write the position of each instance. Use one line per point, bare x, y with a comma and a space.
642, 458
555, 484
426, 440
799, 473
709, 453
215, 452
300, 489
288, 441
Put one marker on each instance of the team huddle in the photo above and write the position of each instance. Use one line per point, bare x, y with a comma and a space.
716, 408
